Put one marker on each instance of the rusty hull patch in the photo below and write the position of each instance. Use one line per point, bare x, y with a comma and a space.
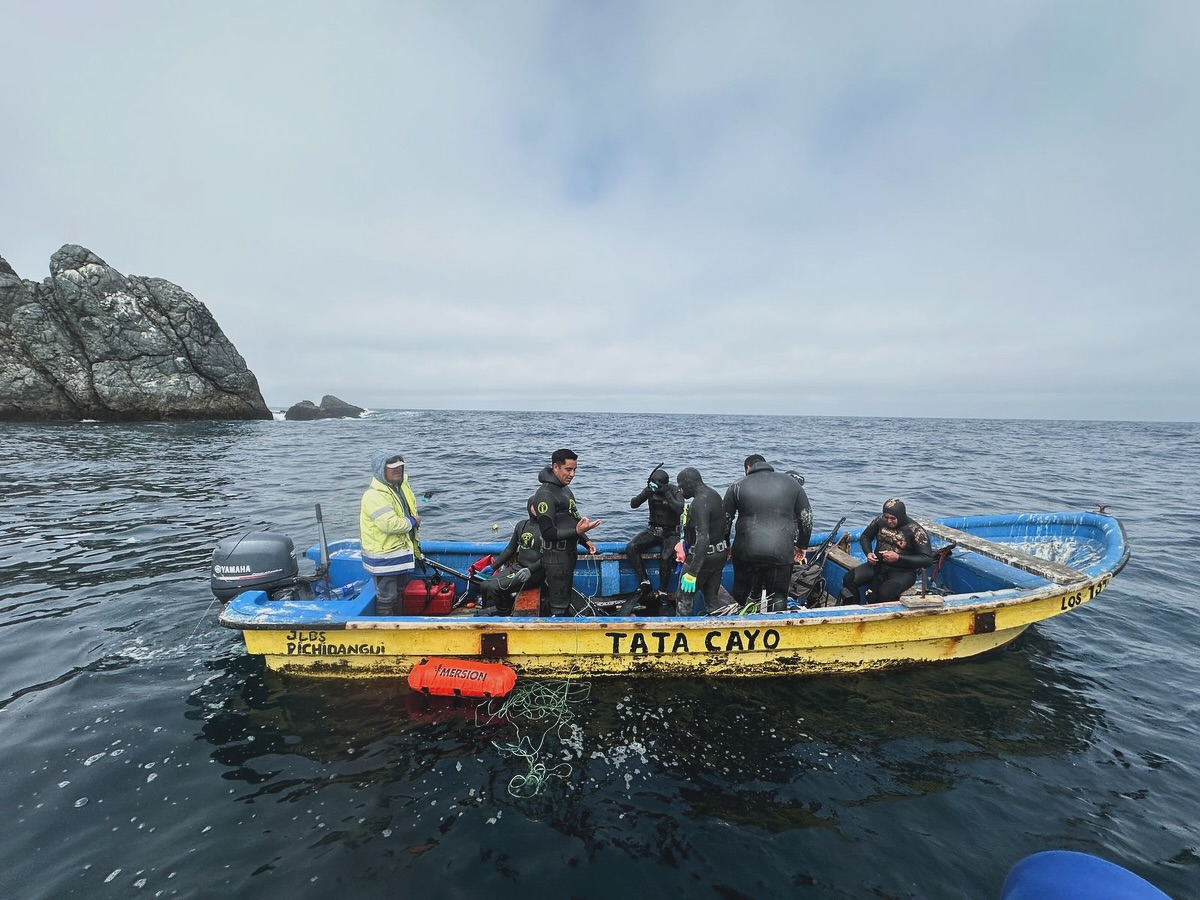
983, 622
493, 646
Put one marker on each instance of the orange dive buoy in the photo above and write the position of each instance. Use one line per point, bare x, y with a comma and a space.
461, 678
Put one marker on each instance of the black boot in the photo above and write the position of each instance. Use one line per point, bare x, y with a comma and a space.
849, 597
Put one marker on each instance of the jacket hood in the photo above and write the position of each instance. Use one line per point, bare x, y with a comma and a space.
547, 476
761, 467
379, 460
660, 477
895, 507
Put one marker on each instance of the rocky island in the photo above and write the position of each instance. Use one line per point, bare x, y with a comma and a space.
91, 343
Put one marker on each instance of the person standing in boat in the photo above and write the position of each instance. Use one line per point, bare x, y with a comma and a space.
517, 568
388, 523
563, 529
897, 549
774, 524
705, 544
666, 506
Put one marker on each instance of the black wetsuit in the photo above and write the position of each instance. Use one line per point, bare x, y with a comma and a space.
888, 580
705, 531
774, 519
666, 506
524, 551
556, 519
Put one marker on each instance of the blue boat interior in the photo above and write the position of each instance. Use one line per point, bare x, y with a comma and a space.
1088, 542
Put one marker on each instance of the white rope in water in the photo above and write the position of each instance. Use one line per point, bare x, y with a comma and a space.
535, 704
203, 618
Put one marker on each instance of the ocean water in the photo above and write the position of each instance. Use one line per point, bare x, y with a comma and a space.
143, 754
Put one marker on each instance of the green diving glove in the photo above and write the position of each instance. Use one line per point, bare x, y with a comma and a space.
687, 584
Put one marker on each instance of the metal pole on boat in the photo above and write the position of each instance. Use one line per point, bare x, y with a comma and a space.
446, 570
324, 542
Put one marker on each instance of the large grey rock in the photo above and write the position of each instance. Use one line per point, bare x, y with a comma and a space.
91, 343
331, 408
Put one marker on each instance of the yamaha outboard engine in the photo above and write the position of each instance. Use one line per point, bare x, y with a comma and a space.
260, 561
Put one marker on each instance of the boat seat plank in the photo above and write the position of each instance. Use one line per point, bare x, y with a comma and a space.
843, 558
1043, 568
528, 602
917, 595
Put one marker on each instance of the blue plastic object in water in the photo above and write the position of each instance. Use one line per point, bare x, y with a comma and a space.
1067, 875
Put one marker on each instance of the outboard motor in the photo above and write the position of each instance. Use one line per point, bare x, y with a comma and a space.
260, 561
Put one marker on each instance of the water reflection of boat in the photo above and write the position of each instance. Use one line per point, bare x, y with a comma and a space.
659, 770
910, 732
1004, 574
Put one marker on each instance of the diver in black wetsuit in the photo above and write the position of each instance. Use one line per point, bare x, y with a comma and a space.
705, 545
517, 568
563, 529
666, 506
774, 524
901, 550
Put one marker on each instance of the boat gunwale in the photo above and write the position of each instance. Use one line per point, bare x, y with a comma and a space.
841, 615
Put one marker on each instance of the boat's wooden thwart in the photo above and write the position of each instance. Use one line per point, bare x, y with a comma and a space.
461, 678
1044, 568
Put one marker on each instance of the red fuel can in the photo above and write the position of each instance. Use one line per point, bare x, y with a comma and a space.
427, 598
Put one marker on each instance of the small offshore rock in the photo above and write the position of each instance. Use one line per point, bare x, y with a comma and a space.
304, 411
331, 408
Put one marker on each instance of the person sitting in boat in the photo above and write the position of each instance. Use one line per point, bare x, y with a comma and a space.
563, 529
388, 523
666, 506
896, 549
518, 567
705, 544
773, 526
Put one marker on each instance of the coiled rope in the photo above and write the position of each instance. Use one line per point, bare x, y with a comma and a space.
533, 705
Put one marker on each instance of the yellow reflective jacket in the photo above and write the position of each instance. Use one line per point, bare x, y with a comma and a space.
389, 539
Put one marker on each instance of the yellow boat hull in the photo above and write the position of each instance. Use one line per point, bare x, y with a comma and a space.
811, 642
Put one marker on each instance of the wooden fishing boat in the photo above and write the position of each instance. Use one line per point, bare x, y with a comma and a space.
1002, 574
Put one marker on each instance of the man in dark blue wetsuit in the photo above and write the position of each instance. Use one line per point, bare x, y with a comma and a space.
896, 549
773, 525
666, 506
563, 529
705, 545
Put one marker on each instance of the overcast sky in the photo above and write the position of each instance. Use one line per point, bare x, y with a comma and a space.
985, 209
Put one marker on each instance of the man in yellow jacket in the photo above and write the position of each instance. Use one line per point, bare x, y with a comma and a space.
388, 524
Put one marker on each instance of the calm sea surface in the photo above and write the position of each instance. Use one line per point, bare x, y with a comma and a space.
143, 754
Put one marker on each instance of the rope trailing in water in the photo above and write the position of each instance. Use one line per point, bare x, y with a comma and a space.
536, 704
